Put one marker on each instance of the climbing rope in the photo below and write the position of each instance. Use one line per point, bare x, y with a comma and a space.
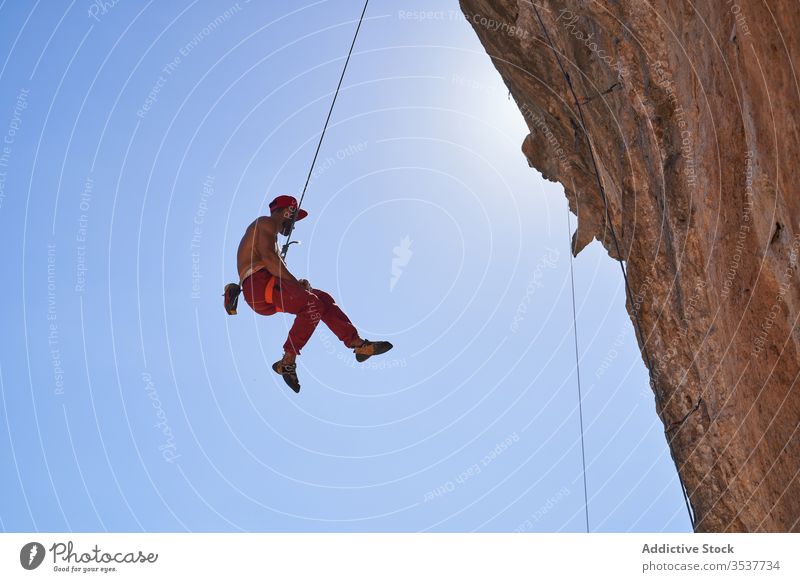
638, 325
578, 370
285, 247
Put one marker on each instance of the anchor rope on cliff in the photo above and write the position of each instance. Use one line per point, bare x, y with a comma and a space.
578, 371
285, 247
628, 292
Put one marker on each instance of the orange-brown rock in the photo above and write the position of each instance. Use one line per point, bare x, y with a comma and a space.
693, 110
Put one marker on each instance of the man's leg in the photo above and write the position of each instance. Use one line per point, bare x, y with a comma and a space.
308, 309
340, 325
253, 290
337, 321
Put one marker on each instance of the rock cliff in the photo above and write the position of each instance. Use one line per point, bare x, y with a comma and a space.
692, 110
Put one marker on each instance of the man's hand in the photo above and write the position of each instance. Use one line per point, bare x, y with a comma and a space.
305, 284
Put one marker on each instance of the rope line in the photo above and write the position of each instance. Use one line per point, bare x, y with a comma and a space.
578, 370
601, 190
285, 247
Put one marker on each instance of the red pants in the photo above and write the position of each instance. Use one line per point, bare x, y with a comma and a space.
309, 307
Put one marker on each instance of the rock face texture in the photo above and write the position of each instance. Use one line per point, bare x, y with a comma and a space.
692, 109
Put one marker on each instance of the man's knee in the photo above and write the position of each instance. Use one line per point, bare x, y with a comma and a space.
324, 297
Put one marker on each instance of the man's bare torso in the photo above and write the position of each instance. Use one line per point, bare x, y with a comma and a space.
257, 245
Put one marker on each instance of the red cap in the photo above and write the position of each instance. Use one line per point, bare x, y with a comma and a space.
287, 202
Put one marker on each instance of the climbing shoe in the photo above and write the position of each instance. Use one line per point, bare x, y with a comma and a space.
369, 348
231, 295
289, 374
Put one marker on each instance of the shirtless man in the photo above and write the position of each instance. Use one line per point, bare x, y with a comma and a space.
269, 288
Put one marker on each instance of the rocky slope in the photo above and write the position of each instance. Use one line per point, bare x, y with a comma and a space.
693, 112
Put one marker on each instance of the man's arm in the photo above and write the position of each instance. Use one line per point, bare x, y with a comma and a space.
268, 249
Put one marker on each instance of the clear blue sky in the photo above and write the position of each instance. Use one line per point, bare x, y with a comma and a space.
139, 140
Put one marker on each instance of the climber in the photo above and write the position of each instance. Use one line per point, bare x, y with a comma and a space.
269, 288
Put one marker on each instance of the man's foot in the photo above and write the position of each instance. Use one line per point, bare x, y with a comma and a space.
289, 373
368, 349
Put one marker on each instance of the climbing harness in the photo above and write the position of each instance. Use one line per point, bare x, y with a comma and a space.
601, 190
285, 247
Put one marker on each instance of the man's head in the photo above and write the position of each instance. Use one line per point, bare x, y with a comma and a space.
282, 209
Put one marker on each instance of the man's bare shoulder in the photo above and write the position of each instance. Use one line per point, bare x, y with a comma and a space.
263, 225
